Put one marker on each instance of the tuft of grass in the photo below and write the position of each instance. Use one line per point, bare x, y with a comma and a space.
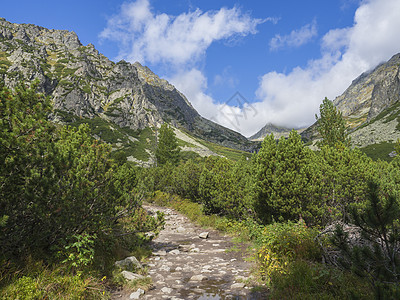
46, 283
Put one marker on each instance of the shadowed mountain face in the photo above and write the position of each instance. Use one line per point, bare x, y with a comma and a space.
83, 82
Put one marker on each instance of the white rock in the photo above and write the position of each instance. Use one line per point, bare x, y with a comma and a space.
137, 294
128, 263
166, 290
197, 250
238, 285
203, 235
165, 268
131, 276
174, 252
180, 229
160, 253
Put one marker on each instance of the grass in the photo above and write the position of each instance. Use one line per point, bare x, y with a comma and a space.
229, 153
379, 151
38, 281
31, 278
112, 134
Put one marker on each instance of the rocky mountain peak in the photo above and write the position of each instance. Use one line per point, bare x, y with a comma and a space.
85, 83
372, 92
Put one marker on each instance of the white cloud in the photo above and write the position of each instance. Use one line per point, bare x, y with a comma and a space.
192, 84
294, 39
234, 114
178, 40
226, 78
290, 99
293, 99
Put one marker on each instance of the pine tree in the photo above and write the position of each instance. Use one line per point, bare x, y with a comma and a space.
167, 147
285, 180
378, 259
55, 182
331, 126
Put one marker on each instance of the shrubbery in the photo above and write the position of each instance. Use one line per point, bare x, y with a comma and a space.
63, 201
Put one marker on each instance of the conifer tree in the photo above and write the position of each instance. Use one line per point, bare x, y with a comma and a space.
331, 126
167, 146
378, 259
285, 181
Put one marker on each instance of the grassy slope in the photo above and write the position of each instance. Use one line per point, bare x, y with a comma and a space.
139, 143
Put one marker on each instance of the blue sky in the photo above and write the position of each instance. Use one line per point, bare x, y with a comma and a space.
283, 57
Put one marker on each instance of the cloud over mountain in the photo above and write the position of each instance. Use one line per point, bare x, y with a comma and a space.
161, 38
284, 98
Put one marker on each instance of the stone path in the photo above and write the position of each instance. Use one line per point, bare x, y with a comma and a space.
186, 266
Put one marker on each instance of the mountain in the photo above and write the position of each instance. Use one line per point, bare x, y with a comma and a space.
87, 87
277, 131
371, 108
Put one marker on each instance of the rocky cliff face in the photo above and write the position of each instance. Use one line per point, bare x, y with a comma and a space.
371, 106
85, 83
372, 92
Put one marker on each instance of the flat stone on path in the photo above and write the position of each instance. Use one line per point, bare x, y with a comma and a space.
166, 290
180, 229
198, 278
203, 235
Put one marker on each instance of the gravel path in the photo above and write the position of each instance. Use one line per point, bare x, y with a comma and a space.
187, 266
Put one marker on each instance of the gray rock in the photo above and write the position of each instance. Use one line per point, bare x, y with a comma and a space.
180, 229
160, 253
198, 278
165, 268
166, 290
137, 294
238, 285
129, 263
131, 276
203, 235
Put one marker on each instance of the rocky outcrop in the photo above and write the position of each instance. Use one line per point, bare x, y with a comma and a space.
372, 92
83, 82
370, 106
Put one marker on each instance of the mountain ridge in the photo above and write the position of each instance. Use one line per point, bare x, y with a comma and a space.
370, 107
83, 82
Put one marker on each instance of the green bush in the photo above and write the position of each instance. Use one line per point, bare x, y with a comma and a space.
56, 184
286, 181
283, 243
